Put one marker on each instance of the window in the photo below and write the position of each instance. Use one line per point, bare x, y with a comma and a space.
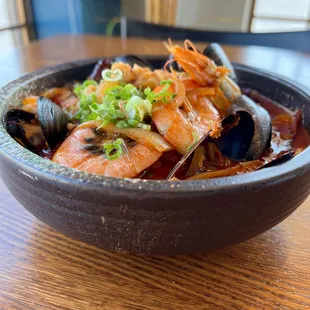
280, 15
14, 28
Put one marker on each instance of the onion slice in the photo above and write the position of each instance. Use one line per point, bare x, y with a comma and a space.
197, 161
146, 137
238, 169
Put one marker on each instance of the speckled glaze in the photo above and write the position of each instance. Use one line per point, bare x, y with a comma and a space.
153, 217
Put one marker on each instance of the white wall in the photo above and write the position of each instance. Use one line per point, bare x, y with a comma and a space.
228, 15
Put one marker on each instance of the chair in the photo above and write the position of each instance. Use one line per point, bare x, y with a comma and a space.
298, 41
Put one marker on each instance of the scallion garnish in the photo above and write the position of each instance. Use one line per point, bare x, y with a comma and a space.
166, 82
122, 105
196, 139
113, 150
79, 88
112, 76
137, 108
164, 94
144, 126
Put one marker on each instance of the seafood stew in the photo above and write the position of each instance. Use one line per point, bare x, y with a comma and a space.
186, 121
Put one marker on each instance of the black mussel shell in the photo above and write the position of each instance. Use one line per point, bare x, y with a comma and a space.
132, 59
252, 134
24, 127
215, 52
100, 66
53, 121
279, 159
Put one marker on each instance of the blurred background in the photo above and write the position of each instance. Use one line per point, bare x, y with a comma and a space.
279, 23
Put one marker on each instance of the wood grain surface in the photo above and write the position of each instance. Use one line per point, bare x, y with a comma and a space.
42, 269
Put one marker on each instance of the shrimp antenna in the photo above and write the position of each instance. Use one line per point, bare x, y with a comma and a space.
167, 63
126, 153
190, 108
173, 73
168, 44
188, 44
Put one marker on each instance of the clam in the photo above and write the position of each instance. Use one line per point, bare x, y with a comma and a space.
35, 131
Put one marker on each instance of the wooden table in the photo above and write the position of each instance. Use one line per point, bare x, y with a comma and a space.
42, 269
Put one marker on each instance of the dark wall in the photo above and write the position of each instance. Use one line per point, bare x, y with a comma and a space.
55, 17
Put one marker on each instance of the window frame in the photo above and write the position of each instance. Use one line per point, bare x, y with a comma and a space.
24, 11
275, 18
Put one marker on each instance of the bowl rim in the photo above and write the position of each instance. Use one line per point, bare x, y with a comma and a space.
35, 167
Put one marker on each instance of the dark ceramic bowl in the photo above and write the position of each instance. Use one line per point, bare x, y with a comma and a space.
153, 217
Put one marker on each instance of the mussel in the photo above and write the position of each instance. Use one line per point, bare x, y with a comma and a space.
251, 135
53, 121
215, 52
131, 60
35, 131
24, 127
248, 139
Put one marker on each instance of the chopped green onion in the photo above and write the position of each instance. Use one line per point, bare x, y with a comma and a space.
195, 136
79, 88
132, 122
89, 82
113, 150
112, 76
123, 105
122, 124
128, 91
196, 139
166, 82
137, 108
144, 126
164, 94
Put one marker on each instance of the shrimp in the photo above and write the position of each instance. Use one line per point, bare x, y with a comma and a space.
83, 150
202, 70
61, 96
183, 121
140, 76
29, 104
212, 95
